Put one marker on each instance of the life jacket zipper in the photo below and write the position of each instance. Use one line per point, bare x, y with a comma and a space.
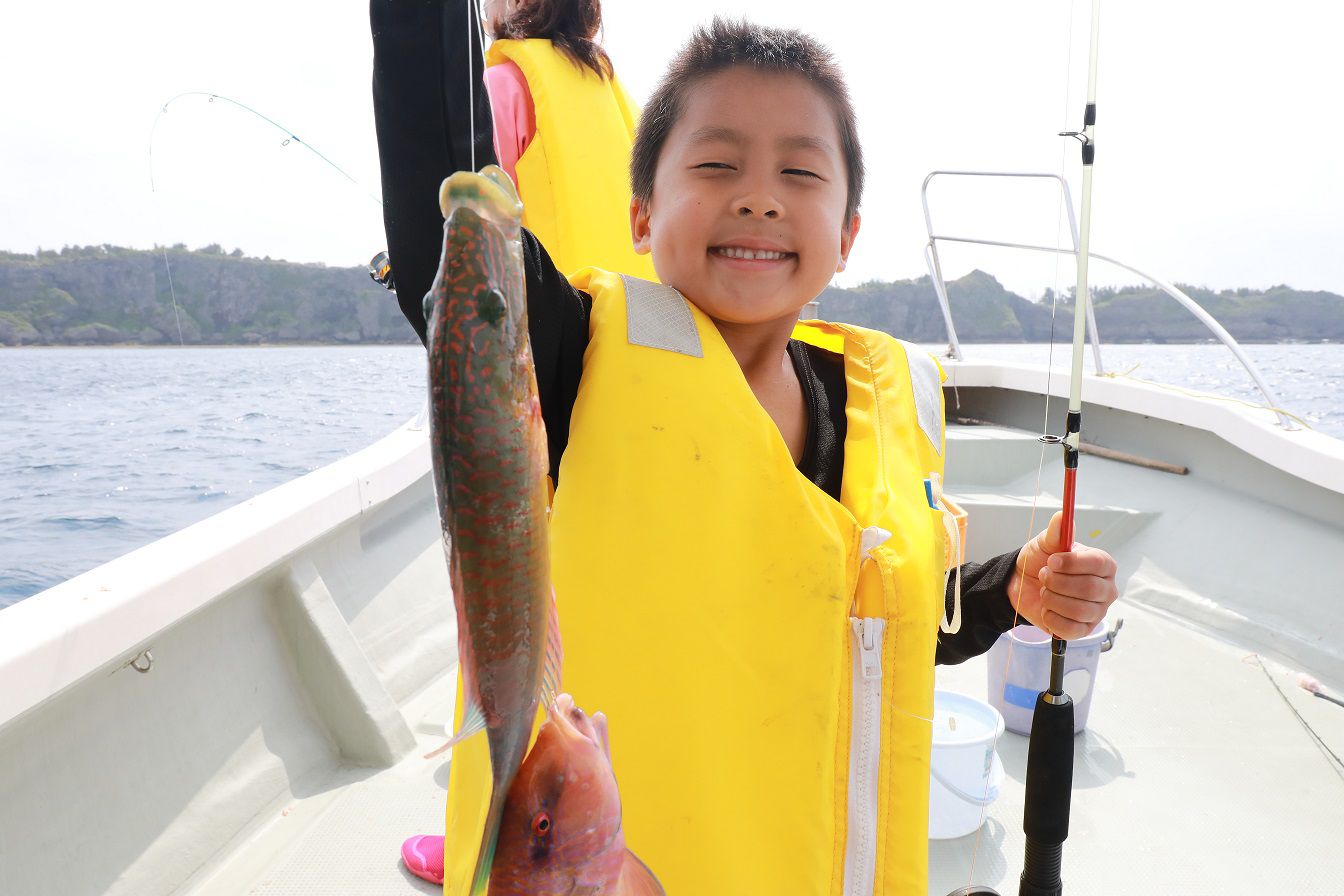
865, 754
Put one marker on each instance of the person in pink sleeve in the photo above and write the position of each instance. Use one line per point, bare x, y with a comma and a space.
563, 128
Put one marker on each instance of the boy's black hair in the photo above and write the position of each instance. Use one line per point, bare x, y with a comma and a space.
726, 44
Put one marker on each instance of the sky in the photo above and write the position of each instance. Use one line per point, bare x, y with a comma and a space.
1218, 161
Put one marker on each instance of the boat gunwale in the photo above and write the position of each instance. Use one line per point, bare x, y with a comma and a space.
1311, 456
108, 616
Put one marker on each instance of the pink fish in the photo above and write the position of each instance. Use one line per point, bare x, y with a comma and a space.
561, 828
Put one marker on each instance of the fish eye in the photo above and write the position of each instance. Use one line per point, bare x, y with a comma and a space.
492, 306
541, 824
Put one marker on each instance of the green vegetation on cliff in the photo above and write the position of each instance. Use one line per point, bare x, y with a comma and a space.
983, 311
101, 295
106, 295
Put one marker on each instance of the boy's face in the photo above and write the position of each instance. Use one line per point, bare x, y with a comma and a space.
753, 167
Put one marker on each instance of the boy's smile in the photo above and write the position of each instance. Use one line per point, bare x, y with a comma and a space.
747, 216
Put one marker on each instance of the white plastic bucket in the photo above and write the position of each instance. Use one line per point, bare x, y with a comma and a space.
1014, 686
964, 772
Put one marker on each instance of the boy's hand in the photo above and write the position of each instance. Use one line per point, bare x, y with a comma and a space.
1064, 593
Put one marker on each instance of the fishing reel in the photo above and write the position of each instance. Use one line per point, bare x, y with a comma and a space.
380, 271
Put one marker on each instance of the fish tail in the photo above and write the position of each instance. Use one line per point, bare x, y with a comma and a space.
507, 750
485, 860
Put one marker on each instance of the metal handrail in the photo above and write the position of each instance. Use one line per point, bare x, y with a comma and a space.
936, 273
935, 263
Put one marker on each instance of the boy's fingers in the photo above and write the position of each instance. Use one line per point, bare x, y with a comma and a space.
1092, 589
1063, 627
1042, 545
1052, 533
1083, 560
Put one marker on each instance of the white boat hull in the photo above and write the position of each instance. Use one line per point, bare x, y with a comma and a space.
302, 662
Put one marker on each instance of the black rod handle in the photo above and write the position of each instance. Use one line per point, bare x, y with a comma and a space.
1049, 788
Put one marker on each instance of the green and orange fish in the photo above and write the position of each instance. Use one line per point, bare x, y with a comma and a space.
488, 444
553, 826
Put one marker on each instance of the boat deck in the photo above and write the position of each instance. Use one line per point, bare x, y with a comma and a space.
1204, 769
346, 837
302, 667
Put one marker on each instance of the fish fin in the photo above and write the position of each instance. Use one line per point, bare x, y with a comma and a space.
555, 657
637, 879
473, 722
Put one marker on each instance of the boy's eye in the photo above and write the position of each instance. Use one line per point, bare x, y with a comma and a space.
802, 172
722, 165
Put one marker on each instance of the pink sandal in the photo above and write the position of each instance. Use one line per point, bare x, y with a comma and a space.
423, 855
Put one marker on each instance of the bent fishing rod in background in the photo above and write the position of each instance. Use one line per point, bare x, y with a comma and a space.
1049, 785
290, 137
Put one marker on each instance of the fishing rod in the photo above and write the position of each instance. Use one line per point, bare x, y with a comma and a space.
290, 137
1049, 784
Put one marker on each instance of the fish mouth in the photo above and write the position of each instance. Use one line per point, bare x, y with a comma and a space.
572, 722
490, 195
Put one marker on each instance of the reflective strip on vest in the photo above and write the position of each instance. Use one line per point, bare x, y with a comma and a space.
660, 317
926, 381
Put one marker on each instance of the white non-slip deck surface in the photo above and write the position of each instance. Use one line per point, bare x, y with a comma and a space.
1205, 770
1195, 776
346, 840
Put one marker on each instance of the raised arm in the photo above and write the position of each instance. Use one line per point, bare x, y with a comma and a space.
428, 103
557, 322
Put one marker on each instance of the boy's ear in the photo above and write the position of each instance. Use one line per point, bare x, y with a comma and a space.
847, 235
640, 235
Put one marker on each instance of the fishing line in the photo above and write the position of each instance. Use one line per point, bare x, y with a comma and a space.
1338, 764
172, 294
471, 80
471, 84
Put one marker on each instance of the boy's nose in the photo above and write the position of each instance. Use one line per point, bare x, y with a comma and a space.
767, 210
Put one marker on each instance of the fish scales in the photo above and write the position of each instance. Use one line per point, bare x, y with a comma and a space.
488, 444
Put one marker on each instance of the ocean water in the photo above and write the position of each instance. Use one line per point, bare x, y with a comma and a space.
1306, 379
104, 450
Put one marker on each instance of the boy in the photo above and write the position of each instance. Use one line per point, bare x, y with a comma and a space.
748, 571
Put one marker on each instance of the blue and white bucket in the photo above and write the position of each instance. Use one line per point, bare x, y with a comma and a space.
964, 771
1014, 684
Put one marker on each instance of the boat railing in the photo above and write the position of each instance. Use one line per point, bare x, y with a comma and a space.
934, 262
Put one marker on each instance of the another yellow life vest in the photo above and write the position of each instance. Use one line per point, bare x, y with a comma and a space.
769, 690
574, 177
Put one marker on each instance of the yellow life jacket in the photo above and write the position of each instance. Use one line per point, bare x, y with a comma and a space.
574, 177
763, 653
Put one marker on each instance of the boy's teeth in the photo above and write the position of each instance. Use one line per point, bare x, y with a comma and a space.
751, 254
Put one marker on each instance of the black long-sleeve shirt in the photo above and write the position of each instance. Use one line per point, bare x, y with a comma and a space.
420, 94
